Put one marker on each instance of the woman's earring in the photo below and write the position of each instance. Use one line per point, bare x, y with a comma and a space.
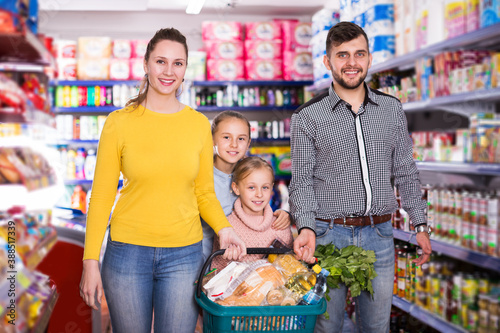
182, 80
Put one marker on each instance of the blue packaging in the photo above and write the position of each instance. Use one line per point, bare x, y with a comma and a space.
490, 12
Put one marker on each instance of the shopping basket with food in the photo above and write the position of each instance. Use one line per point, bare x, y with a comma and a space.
252, 297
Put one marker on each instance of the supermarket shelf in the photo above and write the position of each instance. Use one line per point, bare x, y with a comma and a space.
30, 116
425, 316
246, 108
252, 83
486, 95
268, 140
454, 251
480, 38
483, 169
83, 182
24, 48
36, 255
73, 142
87, 109
18, 195
43, 320
106, 83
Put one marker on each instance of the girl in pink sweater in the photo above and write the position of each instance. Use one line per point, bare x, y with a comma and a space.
252, 216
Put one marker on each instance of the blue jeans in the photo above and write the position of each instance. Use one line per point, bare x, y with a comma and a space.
208, 240
138, 280
372, 316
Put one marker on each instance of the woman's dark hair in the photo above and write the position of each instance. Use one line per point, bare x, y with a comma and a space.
245, 166
171, 34
226, 115
344, 32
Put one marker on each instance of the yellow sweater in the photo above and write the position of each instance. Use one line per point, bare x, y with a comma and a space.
167, 166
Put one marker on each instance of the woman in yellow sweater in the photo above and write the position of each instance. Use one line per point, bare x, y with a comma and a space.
164, 150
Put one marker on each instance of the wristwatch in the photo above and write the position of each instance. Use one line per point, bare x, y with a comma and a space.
423, 228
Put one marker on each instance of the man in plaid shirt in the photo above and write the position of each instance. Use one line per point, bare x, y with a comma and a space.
348, 145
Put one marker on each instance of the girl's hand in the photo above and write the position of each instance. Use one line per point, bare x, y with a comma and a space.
282, 220
91, 283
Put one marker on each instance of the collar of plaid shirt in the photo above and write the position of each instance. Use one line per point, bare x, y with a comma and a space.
345, 163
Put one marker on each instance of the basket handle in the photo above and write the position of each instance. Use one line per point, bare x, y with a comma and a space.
250, 250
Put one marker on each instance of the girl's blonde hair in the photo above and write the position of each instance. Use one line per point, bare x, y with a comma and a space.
245, 166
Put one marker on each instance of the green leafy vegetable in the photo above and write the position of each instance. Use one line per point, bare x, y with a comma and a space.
351, 265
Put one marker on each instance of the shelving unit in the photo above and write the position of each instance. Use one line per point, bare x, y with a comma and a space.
24, 47
454, 251
425, 316
84, 182
87, 83
483, 169
252, 83
95, 142
86, 109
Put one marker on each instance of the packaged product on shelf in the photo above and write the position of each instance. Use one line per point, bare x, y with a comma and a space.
382, 48
493, 224
94, 47
399, 27
409, 20
79, 199
318, 43
89, 165
455, 16
296, 35
219, 70
270, 30
263, 49
435, 24
320, 72
119, 69
224, 49
139, 47
122, 49
490, 12
323, 20
93, 69
297, 66
64, 49
472, 15
196, 71
221, 30
137, 68
66, 68
263, 69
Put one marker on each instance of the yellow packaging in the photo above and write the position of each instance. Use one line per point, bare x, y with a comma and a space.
94, 47
93, 69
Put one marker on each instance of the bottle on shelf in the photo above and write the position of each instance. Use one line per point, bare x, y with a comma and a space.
79, 199
80, 164
90, 162
314, 295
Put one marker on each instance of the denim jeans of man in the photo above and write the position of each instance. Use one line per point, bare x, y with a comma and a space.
138, 280
372, 315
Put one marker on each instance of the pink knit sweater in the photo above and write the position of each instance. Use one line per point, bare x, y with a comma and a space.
255, 231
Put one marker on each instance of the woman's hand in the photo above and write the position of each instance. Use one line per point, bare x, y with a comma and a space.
229, 240
283, 220
91, 283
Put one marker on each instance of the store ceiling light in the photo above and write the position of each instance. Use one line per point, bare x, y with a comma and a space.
194, 6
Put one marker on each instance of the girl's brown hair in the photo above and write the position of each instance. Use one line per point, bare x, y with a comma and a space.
171, 34
226, 115
245, 166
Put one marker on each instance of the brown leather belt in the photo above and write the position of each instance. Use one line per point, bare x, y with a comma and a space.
359, 221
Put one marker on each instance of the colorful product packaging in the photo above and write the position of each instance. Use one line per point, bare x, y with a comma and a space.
297, 66
66, 68
323, 20
94, 47
455, 16
197, 69
296, 35
490, 12
221, 30
224, 49
472, 15
263, 69
138, 48
122, 49
220, 70
263, 49
64, 49
263, 30
119, 69
93, 69
136, 68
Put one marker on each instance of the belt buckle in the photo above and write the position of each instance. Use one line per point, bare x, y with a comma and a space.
348, 216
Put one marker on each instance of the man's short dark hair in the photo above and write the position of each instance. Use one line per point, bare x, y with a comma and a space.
343, 32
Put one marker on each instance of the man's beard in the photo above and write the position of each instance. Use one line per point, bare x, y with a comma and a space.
345, 85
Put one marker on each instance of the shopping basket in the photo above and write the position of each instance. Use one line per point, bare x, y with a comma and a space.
220, 319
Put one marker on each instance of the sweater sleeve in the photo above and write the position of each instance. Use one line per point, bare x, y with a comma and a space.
107, 174
208, 205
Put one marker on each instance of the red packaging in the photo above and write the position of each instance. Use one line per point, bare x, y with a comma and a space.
66, 68
296, 35
224, 49
221, 30
264, 69
136, 68
297, 66
221, 70
64, 49
263, 30
138, 48
258, 49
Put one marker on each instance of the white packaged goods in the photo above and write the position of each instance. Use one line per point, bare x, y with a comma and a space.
323, 20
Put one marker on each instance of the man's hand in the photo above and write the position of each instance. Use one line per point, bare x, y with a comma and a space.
305, 245
91, 284
235, 247
424, 241
282, 220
